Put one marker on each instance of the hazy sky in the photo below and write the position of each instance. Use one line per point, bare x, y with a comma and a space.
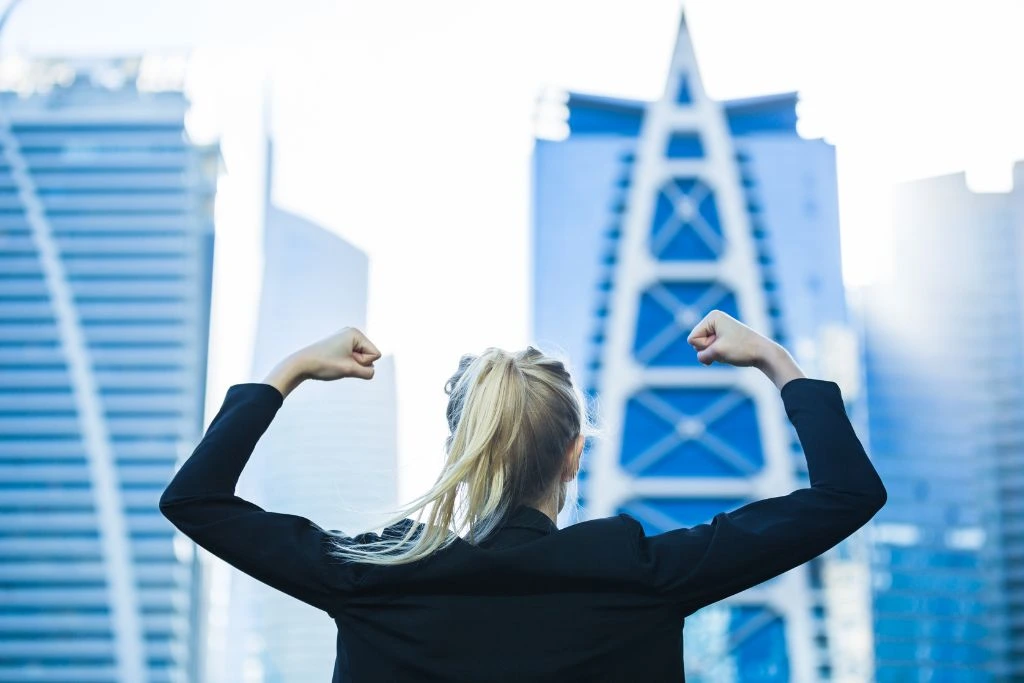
406, 126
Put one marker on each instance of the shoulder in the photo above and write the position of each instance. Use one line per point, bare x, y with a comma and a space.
618, 533
627, 535
607, 550
394, 532
620, 523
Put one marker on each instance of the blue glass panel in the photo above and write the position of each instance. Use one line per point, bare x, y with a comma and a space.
99, 126
607, 116
727, 446
911, 671
736, 644
683, 95
935, 652
921, 558
685, 146
660, 338
686, 225
914, 626
772, 114
916, 604
761, 651
658, 515
945, 583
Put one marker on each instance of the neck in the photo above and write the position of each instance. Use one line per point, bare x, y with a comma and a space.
548, 505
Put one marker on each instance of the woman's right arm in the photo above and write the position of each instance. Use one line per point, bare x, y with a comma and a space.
737, 550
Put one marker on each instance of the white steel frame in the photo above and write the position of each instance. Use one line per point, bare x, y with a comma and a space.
622, 376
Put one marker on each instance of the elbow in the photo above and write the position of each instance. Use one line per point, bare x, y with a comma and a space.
864, 504
177, 512
875, 501
166, 509
168, 503
883, 496
167, 497
872, 495
879, 495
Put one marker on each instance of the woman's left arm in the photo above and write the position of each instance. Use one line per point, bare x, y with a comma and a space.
287, 552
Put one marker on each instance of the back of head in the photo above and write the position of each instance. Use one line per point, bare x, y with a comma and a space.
513, 418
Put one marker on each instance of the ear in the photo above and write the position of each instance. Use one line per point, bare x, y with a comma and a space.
572, 459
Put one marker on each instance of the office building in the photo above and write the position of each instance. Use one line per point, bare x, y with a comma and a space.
945, 383
647, 215
106, 238
331, 452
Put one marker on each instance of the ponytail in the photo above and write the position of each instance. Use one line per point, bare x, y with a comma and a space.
511, 418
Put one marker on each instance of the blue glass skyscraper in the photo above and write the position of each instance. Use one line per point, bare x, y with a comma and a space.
647, 216
106, 236
945, 380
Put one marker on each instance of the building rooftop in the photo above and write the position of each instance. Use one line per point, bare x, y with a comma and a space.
133, 74
592, 114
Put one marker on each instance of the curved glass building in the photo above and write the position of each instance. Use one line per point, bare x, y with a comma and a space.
106, 236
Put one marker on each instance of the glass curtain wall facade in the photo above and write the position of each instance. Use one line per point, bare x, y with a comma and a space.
106, 237
646, 217
945, 380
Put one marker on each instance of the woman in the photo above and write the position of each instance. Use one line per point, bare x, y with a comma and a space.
488, 588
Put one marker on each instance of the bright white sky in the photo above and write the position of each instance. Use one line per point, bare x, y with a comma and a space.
406, 127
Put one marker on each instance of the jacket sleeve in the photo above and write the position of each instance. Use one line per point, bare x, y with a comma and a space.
736, 550
287, 552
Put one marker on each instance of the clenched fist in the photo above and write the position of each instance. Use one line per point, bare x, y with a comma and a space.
346, 353
721, 337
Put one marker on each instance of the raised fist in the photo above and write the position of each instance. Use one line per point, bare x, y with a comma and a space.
346, 353
720, 337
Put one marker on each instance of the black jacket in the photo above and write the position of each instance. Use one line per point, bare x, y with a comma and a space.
595, 601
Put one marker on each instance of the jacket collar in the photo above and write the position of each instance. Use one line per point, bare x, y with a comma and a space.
526, 517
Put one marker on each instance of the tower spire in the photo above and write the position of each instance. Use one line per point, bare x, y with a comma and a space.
676, 444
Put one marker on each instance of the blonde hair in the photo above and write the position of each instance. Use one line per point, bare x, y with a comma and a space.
512, 418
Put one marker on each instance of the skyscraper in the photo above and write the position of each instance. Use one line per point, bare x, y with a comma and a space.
945, 386
106, 237
647, 216
331, 452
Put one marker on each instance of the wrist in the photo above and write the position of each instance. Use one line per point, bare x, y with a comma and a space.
769, 355
288, 374
777, 364
299, 365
